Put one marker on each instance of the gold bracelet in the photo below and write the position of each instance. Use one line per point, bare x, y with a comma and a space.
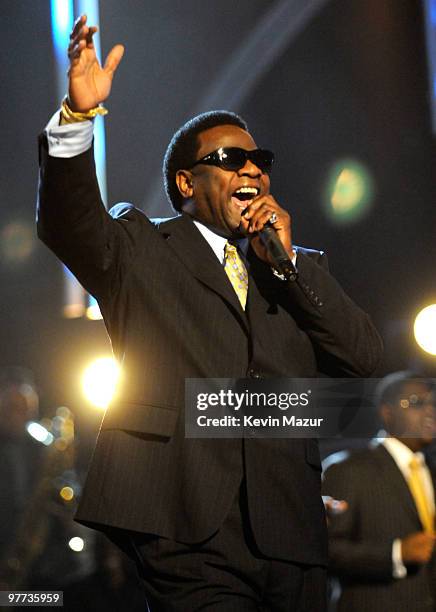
70, 116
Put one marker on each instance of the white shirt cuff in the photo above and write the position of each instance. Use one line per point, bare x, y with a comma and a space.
70, 139
399, 570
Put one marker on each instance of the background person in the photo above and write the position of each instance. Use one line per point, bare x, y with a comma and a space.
382, 546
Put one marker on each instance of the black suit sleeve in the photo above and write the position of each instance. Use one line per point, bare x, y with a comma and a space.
345, 341
73, 222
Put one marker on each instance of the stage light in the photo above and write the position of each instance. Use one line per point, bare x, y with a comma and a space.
350, 191
99, 381
64, 412
39, 433
425, 329
62, 20
61, 444
77, 544
66, 493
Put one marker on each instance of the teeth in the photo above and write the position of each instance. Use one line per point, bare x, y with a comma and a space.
252, 190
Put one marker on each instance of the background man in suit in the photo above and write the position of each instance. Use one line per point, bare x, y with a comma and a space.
19, 456
229, 524
382, 546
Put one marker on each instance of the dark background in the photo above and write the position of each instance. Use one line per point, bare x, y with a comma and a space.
352, 84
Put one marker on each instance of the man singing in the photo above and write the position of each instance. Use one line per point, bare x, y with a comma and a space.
229, 524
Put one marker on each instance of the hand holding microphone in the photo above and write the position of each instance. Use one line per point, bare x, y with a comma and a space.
269, 228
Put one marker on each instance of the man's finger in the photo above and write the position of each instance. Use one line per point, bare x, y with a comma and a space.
82, 34
263, 214
80, 21
91, 31
258, 202
113, 59
257, 208
75, 51
258, 221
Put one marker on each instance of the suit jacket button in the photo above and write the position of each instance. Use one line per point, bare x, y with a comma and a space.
253, 373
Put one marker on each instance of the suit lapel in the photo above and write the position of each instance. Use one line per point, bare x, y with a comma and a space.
397, 482
187, 242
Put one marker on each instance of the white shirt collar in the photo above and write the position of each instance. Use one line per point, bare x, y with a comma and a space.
217, 242
401, 454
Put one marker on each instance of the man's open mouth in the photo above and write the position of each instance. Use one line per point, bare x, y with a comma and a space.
244, 195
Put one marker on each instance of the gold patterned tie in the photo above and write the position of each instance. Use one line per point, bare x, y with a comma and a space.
417, 489
236, 271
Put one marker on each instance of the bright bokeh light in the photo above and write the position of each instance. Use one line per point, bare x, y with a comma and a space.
39, 433
61, 444
350, 191
63, 412
73, 311
425, 329
66, 493
77, 544
17, 242
99, 381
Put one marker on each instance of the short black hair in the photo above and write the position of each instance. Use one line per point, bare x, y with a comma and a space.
182, 150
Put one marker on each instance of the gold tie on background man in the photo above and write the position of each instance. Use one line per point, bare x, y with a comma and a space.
417, 489
236, 271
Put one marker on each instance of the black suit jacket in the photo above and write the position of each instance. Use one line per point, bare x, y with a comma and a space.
381, 509
172, 313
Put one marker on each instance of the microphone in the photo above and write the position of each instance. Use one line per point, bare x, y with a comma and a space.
277, 252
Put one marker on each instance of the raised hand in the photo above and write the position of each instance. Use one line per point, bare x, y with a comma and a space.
89, 83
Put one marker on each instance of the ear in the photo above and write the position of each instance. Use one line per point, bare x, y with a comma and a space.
387, 416
184, 183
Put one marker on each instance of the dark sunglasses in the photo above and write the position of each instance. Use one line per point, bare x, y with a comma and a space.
414, 401
234, 158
